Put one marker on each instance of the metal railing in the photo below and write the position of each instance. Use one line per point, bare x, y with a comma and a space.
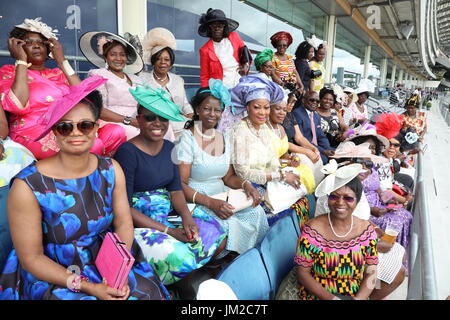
422, 276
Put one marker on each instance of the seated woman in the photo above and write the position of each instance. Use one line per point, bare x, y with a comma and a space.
60, 209
280, 144
285, 72
117, 53
359, 109
253, 156
413, 119
154, 190
28, 88
204, 157
159, 50
263, 63
13, 156
336, 252
331, 123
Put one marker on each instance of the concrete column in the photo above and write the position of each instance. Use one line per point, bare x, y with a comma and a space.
394, 70
400, 76
331, 40
383, 72
367, 61
132, 17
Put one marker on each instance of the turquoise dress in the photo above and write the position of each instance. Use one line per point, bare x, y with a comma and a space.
246, 227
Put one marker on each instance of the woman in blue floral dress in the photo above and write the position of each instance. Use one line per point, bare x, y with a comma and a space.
60, 209
154, 191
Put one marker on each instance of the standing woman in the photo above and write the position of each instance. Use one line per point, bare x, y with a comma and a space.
285, 72
154, 190
359, 109
263, 63
220, 55
303, 54
60, 208
159, 50
205, 169
413, 119
113, 54
317, 67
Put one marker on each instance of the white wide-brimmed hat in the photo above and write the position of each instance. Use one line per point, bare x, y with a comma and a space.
365, 85
348, 149
336, 177
36, 25
91, 45
155, 40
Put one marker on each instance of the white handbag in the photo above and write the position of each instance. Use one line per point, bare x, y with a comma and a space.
280, 196
236, 197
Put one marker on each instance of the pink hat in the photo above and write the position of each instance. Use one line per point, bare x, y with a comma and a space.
61, 106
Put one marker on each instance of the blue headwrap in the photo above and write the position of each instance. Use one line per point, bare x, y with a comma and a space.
219, 91
253, 87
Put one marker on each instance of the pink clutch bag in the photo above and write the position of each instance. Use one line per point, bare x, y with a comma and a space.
114, 261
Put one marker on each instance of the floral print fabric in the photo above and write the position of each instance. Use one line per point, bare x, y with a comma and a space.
171, 258
76, 214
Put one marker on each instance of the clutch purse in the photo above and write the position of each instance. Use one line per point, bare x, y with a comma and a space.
236, 197
114, 261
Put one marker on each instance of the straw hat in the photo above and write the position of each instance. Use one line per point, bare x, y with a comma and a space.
91, 45
336, 177
157, 39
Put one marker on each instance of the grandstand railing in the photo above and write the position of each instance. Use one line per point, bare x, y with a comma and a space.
422, 275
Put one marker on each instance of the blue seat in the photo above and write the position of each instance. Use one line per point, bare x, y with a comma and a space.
312, 205
5, 237
278, 251
247, 277
296, 224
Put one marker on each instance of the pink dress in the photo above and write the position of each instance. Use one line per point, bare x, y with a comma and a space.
45, 87
356, 114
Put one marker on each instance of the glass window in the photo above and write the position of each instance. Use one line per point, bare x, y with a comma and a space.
72, 18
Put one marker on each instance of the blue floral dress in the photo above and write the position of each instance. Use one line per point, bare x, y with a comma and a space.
76, 214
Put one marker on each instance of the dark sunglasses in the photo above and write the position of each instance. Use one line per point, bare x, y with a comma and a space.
367, 163
314, 100
348, 199
150, 117
66, 128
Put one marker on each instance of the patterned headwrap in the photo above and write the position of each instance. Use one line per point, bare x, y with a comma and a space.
262, 57
281, 35
254, 87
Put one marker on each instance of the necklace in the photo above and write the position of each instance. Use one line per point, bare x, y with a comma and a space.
158, 78
277, 130
205, 135
253, 130
332, 229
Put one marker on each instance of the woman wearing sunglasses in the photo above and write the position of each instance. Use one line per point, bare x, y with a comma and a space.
154, 191
60, 209
336, 253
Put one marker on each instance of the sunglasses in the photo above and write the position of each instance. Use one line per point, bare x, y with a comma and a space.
314, 100
30, 42
66, 128
348, 199
150, 117
367, 163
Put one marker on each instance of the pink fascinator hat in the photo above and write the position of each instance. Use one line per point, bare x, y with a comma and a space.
67, 102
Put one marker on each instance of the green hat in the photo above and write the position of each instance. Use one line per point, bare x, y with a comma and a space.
262, 57
157, 101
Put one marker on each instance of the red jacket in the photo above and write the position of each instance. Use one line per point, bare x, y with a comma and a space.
210, 66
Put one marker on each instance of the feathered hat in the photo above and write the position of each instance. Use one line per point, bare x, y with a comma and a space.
388, 124
157, 39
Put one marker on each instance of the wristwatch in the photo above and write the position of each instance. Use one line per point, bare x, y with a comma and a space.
127, 120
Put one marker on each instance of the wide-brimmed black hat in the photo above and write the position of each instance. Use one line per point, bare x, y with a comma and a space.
215, 15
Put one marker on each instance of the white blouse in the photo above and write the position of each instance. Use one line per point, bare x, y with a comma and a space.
224, 51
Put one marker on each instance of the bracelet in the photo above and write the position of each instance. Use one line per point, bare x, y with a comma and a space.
193, 198
68, 68
165, 230
24, 63
244, 182
282, 175
75, 285
275, 176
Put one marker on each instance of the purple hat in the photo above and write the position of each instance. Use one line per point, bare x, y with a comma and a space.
254, 87
66, 103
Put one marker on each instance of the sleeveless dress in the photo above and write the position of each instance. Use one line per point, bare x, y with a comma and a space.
77, 213
246, 227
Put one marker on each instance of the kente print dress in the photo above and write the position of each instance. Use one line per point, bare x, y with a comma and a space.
150, 179
76, 213
337, 265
